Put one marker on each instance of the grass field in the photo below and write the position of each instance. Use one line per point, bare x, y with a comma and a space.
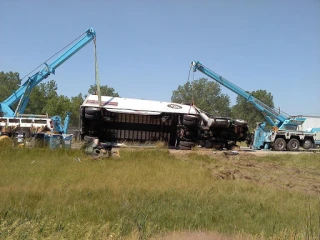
146, 194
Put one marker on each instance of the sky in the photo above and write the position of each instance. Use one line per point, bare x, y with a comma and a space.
145, 48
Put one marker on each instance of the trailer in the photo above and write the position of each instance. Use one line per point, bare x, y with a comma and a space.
310, 122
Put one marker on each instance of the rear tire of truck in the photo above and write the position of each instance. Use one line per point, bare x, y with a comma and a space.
190, 120
240, 122
279, 144
91, 117
92, 110
190, 123
88, 139
293, 145
191, 117
184, 147
186, 144
307, 144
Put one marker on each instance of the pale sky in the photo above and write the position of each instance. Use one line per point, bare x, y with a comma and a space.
145, 47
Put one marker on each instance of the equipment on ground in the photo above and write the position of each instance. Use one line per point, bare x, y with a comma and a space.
57, 124
284, 134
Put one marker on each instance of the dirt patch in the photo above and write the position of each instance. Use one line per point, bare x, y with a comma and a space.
279, 176
245, 166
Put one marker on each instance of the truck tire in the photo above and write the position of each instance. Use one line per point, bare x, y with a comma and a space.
208, 144
279, 144
189, 123
184, 147
88, 139
186, 144
307, 144
221, 122
92, 110
191, 117
91, 117
240, 122
293, 145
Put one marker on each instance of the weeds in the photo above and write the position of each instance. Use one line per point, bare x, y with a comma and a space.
147, 193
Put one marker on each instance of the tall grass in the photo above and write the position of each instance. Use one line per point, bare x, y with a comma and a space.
142, 194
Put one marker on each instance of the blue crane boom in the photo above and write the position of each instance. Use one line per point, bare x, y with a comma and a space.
284, 135
23, 93
282, 120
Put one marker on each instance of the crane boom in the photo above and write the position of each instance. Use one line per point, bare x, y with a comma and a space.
22, 94
281, 120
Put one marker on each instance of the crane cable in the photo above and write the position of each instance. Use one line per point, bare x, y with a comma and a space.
97, 79
26, 94
53, 56
192, 100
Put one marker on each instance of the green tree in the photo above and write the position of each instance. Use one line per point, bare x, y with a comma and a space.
205, 94
58, 106
75, 110
9, 82
105, 90
40, 96
246, 111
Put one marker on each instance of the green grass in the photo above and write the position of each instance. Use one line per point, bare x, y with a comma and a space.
147, 193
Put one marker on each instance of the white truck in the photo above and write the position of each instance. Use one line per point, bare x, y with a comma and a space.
182, 126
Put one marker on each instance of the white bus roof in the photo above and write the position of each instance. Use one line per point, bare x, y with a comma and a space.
137, 106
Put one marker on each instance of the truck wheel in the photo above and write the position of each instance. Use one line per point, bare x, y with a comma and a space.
279, 144
5, 141
88, 139
240, 122
186, 144
92, 110
91, 117
189, 123
307, 144
293, 145
184, 147
190, 117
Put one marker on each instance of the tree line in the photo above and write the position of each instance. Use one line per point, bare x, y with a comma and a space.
205, 94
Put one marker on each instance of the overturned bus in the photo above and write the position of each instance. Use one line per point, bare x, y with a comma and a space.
180, 126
